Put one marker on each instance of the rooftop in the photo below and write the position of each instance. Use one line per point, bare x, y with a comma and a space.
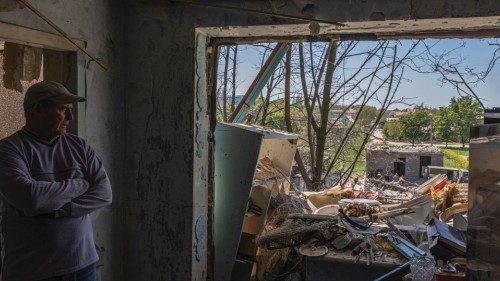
405, 148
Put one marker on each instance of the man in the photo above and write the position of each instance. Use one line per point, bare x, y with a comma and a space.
50, 182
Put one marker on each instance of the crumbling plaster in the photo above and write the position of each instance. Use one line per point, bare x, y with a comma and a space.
148, 116
167, 138
371, 10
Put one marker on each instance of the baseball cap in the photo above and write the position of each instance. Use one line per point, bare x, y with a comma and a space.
49, 90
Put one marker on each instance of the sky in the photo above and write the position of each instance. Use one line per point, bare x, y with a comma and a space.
419, 88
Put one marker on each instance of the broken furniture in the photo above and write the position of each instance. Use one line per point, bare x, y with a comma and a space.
339, 247
446, 242
251, 162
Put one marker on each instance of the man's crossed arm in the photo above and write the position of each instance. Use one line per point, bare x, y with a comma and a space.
70, 197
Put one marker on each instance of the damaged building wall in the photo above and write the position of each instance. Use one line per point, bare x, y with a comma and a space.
169, 215
97, 23
16, 62
374, 10
167, 134
407, 160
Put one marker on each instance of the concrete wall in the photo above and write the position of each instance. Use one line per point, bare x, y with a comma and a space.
98, 22
383, 160
167, 163
373, 10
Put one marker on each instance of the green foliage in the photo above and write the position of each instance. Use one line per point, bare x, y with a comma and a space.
467, 112
348, 155
276, 120
444, 128
392, 130
454, 160
415, 126
367, 116
460, 151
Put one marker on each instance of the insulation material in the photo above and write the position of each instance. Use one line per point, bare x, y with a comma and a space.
32, 63
13, 66
11, 109
54, 64
21, 63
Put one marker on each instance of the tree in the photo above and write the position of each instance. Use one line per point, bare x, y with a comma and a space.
328, 90
226, 83
444, 125
323, 91
466, 112
415, 126
367, 115
392, 130
450, 65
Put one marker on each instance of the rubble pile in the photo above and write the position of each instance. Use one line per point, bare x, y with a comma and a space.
371, 221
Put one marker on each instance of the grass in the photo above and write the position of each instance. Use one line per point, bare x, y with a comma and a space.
456, 158
460, 151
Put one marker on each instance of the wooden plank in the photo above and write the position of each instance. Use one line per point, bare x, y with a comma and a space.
36, 38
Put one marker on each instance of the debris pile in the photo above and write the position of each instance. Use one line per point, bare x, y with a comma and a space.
373, 221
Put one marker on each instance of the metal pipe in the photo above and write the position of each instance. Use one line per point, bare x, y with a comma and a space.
259, 82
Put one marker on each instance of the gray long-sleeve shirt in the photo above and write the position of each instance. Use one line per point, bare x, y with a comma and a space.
38, 179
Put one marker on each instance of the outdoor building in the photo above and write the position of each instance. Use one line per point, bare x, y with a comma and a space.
408, 161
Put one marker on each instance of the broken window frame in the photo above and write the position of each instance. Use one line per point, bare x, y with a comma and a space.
73, 68
206, 48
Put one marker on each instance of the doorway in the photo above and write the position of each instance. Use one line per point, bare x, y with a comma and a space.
424, 162
400, 167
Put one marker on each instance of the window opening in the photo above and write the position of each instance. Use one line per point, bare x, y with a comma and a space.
22, 66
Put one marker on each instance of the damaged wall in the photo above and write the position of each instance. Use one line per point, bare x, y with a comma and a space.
373, 10
97, 23
166, 197
381, 160
169, 215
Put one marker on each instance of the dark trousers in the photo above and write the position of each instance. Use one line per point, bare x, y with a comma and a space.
86, 274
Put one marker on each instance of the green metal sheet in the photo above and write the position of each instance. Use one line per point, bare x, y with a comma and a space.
236, 152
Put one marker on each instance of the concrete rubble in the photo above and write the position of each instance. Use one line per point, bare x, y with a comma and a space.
370, 222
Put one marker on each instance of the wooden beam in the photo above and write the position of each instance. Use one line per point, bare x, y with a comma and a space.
35, 38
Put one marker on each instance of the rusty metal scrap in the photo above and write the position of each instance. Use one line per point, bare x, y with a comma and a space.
360, 209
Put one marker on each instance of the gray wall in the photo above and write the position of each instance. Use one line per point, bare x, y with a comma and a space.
161, 203
384, 160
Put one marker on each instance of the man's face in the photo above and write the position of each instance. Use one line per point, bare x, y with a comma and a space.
56, 118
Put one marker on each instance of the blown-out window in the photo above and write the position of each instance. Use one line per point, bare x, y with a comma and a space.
20, 67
